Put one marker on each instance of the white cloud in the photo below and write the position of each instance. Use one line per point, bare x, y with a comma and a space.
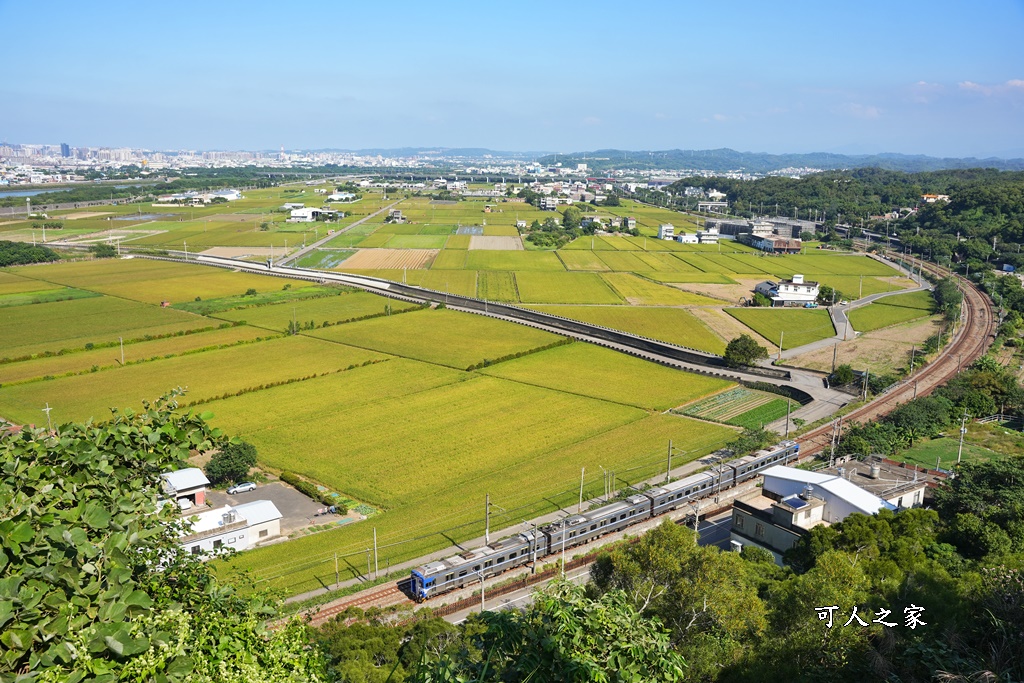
858, 111
1014, 85
924, 92
591, 121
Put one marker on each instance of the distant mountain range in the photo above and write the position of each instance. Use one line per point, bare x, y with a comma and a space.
451, 152
725, 160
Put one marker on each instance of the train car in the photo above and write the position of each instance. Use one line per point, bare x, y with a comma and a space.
672, 495
457, 571
747, 467
577, 529
460, 570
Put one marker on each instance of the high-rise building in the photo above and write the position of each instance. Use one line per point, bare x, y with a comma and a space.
65, 150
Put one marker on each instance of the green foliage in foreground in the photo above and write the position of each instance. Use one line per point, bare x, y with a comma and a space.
93, 585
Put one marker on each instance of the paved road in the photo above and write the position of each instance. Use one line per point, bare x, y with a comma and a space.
302, 252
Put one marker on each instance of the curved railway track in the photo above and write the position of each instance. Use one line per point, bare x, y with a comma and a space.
969, 343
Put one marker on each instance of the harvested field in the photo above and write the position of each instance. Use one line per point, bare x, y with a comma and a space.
882, 351
496, 243
725, 326
84, 214
691, 276
375, 259
741, 288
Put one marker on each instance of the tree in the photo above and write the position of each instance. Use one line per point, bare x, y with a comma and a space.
566, 636
828, 295
743, 350
103, 251
232, 463
572, 217
843, 375
93, 582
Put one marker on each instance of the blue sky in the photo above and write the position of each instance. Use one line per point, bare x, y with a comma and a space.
937, 78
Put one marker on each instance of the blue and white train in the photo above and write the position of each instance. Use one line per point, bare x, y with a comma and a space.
435, 578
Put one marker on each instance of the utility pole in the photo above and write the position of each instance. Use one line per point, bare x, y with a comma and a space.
337, 576
963, 430
668, 469
913, 352
47, 410
487, 519
781, 334
375, 567
367, 563
789, 403
121, 340
583, 471
835, 353
867, 375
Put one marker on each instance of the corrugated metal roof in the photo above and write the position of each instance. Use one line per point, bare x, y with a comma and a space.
258, 512
857, 497
188, 478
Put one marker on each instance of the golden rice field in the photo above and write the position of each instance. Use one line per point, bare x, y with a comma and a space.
672, 325
564, 288
73, 324
640, 292
528, 471
439, 336
597, 372
110, 356
327, 309
206, 376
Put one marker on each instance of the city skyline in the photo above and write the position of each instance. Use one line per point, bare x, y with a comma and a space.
915, 79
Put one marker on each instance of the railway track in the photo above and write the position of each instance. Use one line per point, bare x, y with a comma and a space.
386, 596
969, 343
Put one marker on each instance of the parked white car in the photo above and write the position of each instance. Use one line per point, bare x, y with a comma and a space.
244, 487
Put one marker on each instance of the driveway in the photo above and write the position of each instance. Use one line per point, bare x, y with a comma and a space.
298, 511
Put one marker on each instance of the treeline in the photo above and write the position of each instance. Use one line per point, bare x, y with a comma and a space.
22, 253
898, 596
856, 194
983, 389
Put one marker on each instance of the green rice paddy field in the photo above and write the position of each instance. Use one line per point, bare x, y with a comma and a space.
796, 326
892, 310
382, 409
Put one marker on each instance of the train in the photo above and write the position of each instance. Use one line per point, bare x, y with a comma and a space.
438, 577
